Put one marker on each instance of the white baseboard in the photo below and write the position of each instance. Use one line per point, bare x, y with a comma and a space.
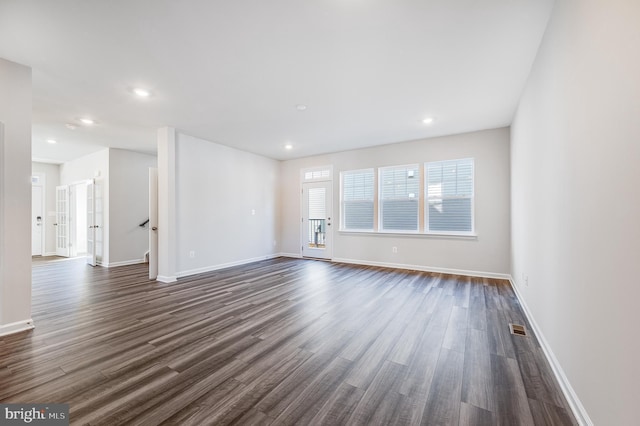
465, 272
572, 398
293, 255
166, 279
16, 327
122, 263
49, 253
225, 265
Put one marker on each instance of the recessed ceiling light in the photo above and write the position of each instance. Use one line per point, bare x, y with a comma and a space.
71, 126
428, 120
141, 93
51, 141
86, 121
288, 146
301, 107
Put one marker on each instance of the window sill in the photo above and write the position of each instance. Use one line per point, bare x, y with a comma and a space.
469, 236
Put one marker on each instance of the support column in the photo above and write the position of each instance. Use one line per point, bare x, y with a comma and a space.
15, 197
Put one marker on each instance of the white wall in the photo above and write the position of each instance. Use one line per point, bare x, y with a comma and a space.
217, 187
15, 197
128, 204
96, 166
489, 253
576, 204
51, 174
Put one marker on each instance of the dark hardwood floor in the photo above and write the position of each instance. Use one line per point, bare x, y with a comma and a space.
282, 341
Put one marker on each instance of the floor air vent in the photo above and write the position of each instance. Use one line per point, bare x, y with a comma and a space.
517, 329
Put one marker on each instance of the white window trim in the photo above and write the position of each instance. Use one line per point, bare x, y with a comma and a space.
437, 235
471, 233
422, 231
315, 169
342, 219
380, 229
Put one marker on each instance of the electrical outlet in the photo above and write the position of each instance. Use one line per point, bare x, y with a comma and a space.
275, 243
394, 249
192, 254
253, 212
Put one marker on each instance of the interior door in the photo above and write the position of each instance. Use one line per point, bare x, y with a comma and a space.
62, 221
91, 224
153, 223
317, 212
36, 220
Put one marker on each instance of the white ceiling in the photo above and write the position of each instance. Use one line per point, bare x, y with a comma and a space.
233, 71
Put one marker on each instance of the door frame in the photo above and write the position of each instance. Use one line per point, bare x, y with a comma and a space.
153, 223
74, 218
91, 257
327, 178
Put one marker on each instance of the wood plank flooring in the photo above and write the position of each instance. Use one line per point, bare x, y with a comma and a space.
283, 341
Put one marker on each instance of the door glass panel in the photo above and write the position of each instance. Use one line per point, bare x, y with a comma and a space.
317, 218
62, 219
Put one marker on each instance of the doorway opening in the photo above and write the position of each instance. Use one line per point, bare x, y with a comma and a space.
78, 219
76, 224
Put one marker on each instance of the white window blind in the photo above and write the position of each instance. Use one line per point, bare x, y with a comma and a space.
317, 208
357, 200
399, 198
450, 196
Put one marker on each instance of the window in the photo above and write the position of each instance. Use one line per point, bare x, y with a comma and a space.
399, 198
357, 200
450, 196
317, 174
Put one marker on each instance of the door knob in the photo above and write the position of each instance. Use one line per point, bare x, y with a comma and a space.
154, 228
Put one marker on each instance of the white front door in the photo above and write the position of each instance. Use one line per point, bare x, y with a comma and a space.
36, 220
317, 214
153, 223
62, 221
91, 224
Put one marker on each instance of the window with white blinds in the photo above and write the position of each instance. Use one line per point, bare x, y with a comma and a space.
399, 198
357, 200
449, 202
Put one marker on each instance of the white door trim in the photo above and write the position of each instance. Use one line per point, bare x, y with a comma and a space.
153, 223
91, 223
305, 250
